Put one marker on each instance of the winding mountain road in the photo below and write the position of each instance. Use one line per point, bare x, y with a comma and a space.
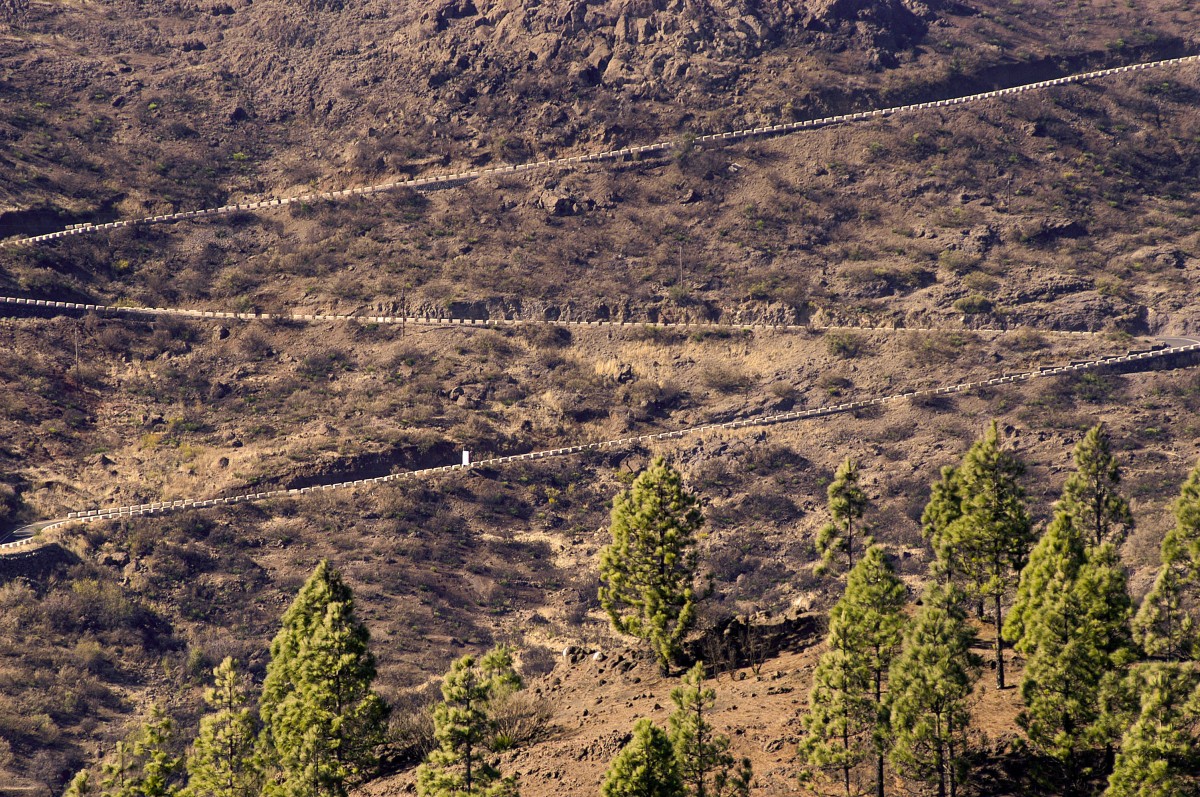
445, 181
28, 535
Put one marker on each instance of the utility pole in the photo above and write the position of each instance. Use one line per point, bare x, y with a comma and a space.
77, 353
681, 264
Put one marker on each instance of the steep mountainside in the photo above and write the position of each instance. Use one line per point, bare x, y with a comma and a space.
1071, 208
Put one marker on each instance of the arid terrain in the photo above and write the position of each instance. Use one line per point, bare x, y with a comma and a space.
1070, 209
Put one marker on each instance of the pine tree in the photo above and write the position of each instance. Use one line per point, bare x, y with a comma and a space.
119, 772
1078, 638
847, 504
649, 569
223, 761
645, 767
1184, 544
152, 748
871, 613
459, 767
322, 722
846, 720
944, 507
989, 542
841, 719
144, 765
1158, 754
929, 685
1090, 512
703, 757
1165, 625
80, 785
1055, 560
1101, 511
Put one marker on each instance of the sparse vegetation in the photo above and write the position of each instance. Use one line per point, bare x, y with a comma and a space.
1065, 209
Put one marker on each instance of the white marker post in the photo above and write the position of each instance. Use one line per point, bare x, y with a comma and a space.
466, 458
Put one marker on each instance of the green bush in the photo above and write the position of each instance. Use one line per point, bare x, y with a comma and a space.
844, 344
973, 304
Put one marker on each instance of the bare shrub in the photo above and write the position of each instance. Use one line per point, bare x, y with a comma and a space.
726, 379
520, 718
537, 660
411, 729
545, 336
845, 344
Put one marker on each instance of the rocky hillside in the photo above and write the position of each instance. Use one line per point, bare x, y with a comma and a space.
1067, 209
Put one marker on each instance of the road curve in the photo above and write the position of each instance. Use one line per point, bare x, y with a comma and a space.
27, 535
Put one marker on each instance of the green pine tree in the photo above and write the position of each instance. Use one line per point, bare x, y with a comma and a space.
1165, 625
841, 719
1100, 510
119, 771
80, 785
847, 504
648, 571
989, 542
944, 507
846, 722
929, 686
871, 614
645, 767
321, 720
1078, 639
462, 725
143, 766
705, 763
223, 760
1184, 544
1158, 755
1055, 559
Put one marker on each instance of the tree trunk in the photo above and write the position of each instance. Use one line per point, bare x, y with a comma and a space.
941, 772
950, 749
846, 767
879, 752
999, 646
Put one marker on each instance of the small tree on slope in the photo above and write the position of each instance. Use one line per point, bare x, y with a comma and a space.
143, 767
645, 767
1165, 625
1101, 511
649, 570
222, 761
847, 720
459, 767
1078, 641
1090, 512
944, 507
322, 721
702, 755
847, 505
